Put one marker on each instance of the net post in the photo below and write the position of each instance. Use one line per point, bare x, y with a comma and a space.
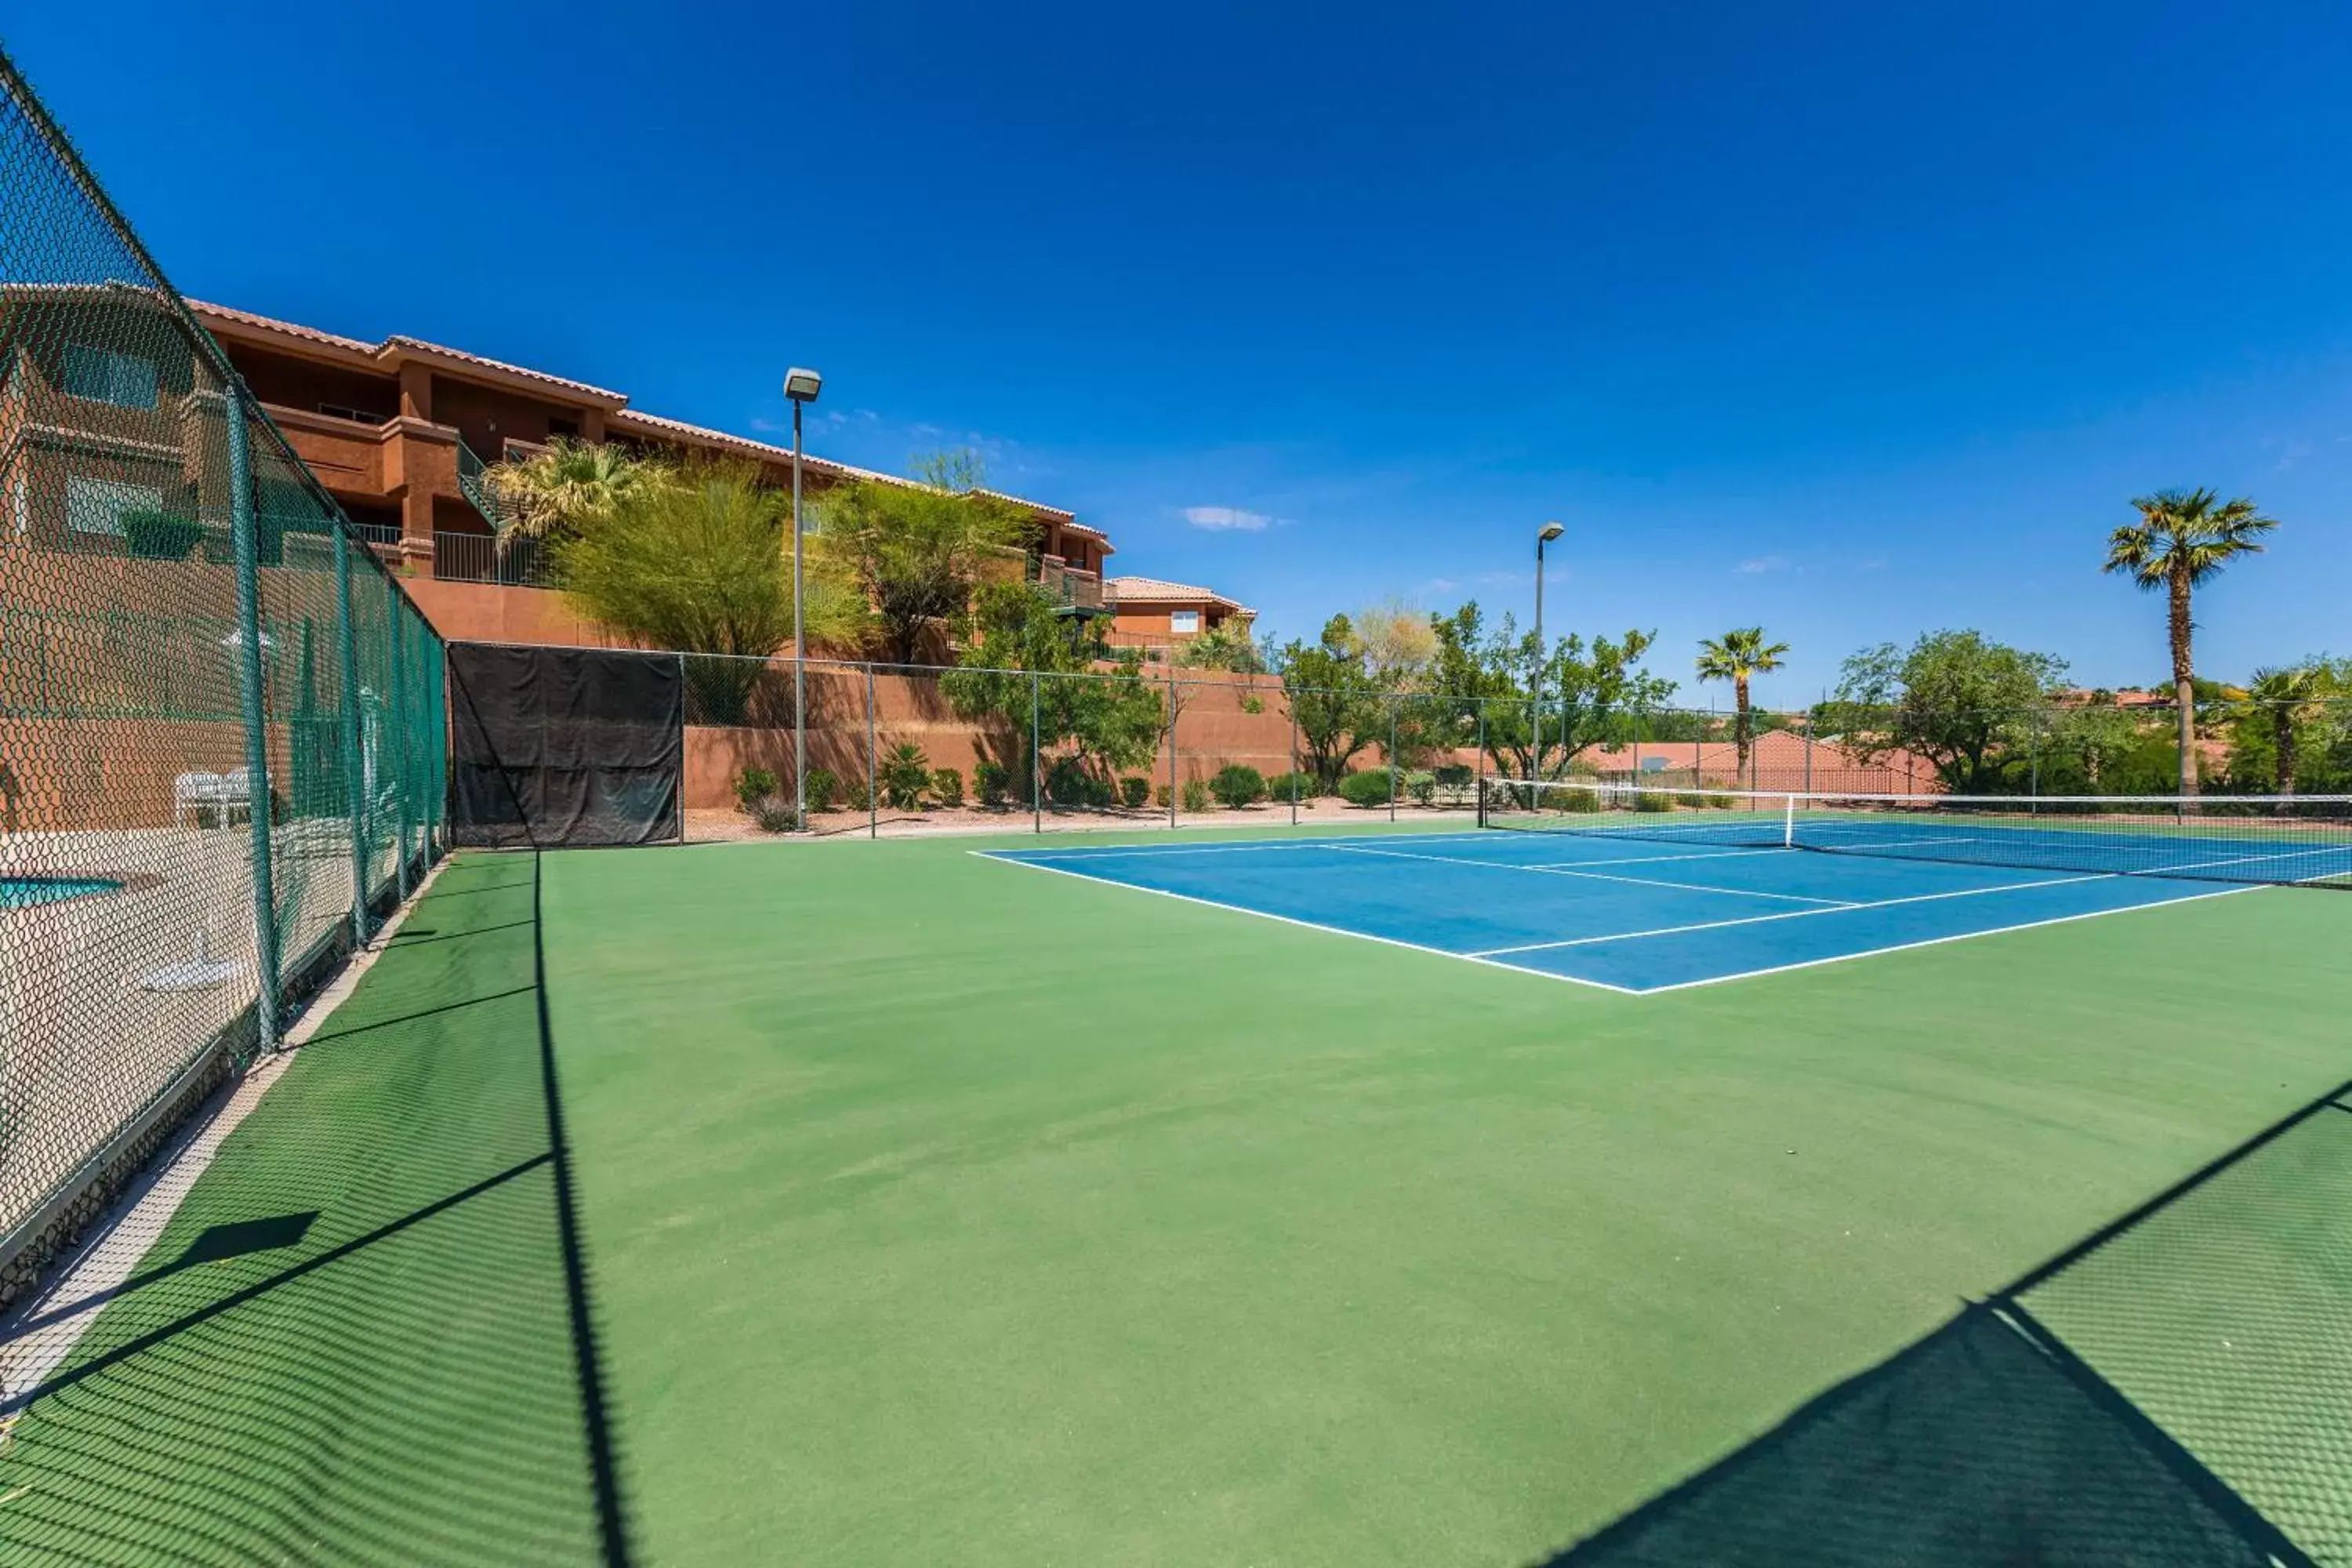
873, 811
354, 763
400, 740
243, 529
1789, 822
1037, 784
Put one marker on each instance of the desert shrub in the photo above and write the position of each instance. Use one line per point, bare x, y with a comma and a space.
823, 789
1574, 800
1288, 786
906, 773
1454, 782
1722, 802
1196, 796
1368, 788
993, 782
753, 786
1654, 800
1420, 788
1070, 782
947, 787
773, 813
1161, 798
1237, 785
1134, 790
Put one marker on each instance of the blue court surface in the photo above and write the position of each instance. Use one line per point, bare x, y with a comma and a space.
1623, 913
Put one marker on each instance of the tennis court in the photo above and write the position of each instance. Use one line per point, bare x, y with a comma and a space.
1693, 892
874, 1203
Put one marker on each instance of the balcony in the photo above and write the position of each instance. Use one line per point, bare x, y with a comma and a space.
476, 558
1076, 592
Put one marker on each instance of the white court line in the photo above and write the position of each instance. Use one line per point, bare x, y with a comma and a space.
1306, 925
1596, 876
1956, 936
1794, 914
1099, 851
1647, 859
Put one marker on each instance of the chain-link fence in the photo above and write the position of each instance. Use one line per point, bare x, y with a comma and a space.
898, 749
221, 722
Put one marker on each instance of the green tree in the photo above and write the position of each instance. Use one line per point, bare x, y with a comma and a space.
2182, 540
1955, 698
697, 564
917, 551
1226, 645
570, 487
1738, 656
1589, 689
1334, 700
2283, 701
1109, 720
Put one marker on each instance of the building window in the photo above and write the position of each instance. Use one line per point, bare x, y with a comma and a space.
340, 412
563, 429
105, 375
95, 506
1183, 622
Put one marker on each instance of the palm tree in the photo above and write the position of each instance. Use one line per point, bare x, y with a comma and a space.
570, 486
1735, 656
2182, 539
2287, 696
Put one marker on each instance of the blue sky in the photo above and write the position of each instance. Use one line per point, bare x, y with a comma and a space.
1855, 320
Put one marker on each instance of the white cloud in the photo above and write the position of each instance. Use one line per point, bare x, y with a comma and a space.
1226, 518
1762, 564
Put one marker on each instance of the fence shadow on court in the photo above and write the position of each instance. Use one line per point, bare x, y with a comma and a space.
364, 1337
2174, 1390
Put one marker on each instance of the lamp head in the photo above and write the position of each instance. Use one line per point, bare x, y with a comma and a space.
1550, 531
802, 386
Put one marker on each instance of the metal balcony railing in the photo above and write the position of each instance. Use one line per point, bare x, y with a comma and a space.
476, 558
1075, 591
378, 532
472, 479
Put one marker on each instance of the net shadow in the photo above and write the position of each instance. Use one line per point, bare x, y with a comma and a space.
365, 1335
2176, 1389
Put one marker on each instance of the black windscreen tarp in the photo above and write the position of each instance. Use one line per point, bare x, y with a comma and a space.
565, 746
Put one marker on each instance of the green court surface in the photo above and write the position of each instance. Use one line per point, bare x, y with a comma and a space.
897, 1206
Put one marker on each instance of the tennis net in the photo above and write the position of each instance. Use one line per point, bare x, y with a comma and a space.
2305, 840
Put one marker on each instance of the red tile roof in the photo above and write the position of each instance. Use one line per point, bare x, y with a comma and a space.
1153, 591
389, 354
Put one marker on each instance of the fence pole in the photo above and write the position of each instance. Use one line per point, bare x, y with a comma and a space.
873, 770
399, 726
354, 763
243, 529
1036, 786
1171, 743
1806, 735
1481, 785
1393, 767
1293, 712
2033, 767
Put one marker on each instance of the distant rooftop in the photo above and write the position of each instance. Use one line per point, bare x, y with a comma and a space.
1154, 591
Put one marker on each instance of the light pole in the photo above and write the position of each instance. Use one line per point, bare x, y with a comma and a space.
800, 386
1545, 535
